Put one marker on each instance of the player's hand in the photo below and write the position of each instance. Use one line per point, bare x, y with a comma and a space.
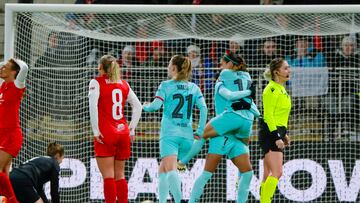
280, 144
286, 140
196, 136
99, 138
146, 103
132, 134
181, 167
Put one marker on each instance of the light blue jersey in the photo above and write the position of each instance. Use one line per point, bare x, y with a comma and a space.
179, 98
236, 81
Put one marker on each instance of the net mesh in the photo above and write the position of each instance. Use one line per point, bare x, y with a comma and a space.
63, 50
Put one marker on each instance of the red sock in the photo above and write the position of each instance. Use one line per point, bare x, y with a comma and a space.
6, 188
109, 190
122, 191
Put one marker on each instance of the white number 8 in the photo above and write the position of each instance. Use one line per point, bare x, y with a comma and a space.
117, 104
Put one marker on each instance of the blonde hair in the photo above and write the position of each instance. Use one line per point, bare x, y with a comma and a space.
274, 65
54, 148
183, 67
111, 67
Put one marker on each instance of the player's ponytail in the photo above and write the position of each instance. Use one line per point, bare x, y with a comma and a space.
183, 67
111, 67
54, 148
274, 65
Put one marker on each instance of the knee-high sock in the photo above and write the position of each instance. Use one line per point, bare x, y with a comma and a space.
199, 185
195, 149
269, 188
109, 190
244, 184
262, 194
122, 191
6, 188
175, 186
163, 188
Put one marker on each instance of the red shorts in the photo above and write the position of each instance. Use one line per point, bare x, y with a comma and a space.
117, 145
11, 140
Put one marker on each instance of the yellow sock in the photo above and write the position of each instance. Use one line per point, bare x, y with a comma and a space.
262, 194
269, 188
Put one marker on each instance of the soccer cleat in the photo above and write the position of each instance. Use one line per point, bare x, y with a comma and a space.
181, 167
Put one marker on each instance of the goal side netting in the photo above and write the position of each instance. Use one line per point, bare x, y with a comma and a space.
63, 43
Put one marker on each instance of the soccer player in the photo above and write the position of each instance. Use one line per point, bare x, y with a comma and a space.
29, 178
12, 87
178, 96
273, 128
108, 94
234, 144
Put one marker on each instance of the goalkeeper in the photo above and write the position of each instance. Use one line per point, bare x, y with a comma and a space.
273, 128
29, 178
233, 144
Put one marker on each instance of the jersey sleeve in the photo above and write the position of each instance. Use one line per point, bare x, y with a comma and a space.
270, 99
21, 77
54, 185
232, 95
225, 75
136, 107
94, 94
158, 100
201, 105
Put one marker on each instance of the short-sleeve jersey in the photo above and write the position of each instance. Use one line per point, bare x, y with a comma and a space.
179, 98
10, 99
111, 104
236, 81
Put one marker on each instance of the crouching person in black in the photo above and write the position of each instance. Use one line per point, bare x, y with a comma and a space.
29, 178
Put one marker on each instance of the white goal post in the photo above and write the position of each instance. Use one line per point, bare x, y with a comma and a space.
62, 44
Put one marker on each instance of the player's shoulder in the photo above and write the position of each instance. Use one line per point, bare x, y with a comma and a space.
226, 73
271, 88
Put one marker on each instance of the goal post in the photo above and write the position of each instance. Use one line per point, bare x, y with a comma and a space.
62, 44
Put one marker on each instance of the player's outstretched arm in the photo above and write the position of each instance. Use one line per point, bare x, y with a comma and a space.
232, 95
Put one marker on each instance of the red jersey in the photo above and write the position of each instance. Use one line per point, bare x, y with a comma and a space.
111, 104
10, 99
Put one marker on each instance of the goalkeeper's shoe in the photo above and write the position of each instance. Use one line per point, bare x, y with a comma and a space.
181, 167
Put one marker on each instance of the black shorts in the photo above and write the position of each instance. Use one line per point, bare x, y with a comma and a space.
23, 187
266, 141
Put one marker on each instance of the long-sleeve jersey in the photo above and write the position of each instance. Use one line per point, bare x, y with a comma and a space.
106, 103
179, 98
277, 105
41, 170
237, 81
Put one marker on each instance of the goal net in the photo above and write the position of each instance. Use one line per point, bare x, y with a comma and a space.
63, 43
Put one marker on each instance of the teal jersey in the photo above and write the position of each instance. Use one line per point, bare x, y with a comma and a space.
179, 98
220, 101
239, 81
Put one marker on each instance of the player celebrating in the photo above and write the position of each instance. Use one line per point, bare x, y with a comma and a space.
176, 135
112, 135
12, 87
229, 90
29, 178
273, 129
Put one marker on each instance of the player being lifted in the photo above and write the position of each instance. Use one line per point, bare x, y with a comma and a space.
178, 96
108, 94
12, 87
235, 112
